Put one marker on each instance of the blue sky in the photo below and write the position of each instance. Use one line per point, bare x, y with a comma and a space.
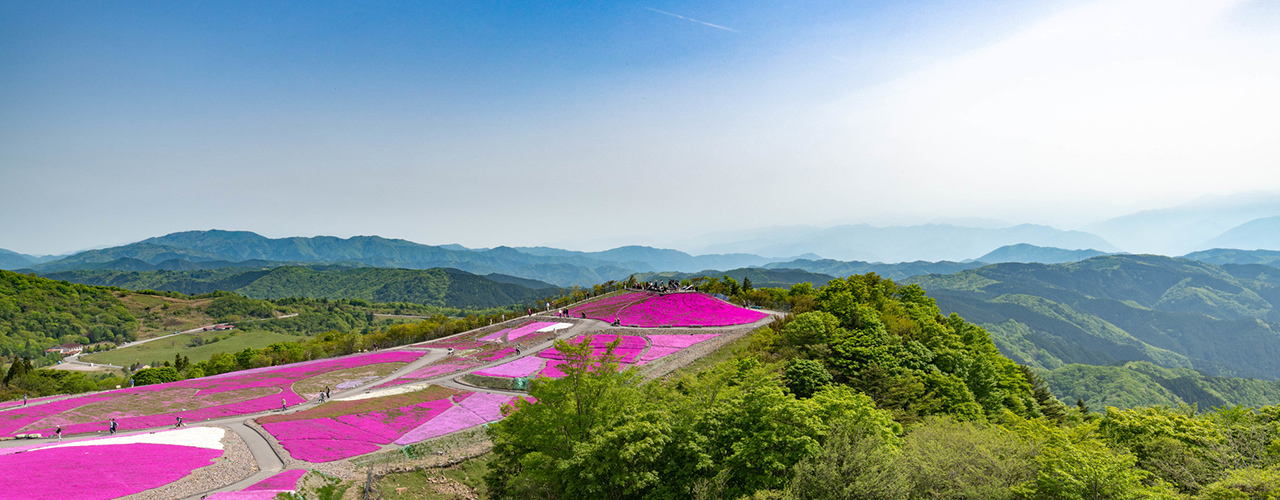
489, 123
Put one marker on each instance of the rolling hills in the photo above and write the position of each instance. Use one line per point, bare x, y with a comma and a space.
440, 287
1175, 313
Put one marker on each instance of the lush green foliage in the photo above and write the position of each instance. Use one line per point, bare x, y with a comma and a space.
36, 313
1139, 383
1176, 313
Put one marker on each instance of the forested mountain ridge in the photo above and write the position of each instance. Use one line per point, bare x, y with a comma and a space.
1176, 313
440, 287
1026, 252
897, 271
1222, 256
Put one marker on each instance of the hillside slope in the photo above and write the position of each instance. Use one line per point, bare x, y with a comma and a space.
1139, 383
1173, 312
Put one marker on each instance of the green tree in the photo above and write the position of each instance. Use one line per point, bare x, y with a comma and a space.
806, 376
157, 375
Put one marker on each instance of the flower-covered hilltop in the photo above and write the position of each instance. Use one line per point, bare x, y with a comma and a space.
651, 310
631, 350
230, 394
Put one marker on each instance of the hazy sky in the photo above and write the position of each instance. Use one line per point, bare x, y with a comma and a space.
597, 124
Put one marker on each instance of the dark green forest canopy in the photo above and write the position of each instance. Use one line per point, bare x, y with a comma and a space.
894, 344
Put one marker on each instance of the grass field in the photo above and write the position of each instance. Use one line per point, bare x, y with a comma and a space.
465, 480
164, 349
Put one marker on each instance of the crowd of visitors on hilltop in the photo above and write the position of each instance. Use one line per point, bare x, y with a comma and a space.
659, 286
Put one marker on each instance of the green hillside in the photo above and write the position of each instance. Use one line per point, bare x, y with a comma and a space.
435, 287
1139, 383
36, 313
1176, 313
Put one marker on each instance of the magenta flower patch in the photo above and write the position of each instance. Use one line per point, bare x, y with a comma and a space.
86, 472
608, 308
522, 367
486, 406
284, 481
327, 450
526, 330
658, 352
325, 439
499, 355
245, 495
452, 420
673, 309
680, 341
495, 336
391, 424
226, 395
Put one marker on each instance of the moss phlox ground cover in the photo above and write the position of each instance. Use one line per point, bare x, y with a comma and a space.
89, 469
231, 394
344, 429
651, 310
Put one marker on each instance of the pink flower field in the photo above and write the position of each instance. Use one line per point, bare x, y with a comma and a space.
522, 367
267, 489
632, 350
231, 394
329, 436
651, 310
606, 308
284, 481
96, 472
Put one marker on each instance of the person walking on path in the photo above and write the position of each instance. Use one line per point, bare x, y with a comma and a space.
113, 426
327, 394
24, 399
284, 405
58, 431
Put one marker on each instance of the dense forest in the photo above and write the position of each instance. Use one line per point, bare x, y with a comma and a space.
36, 313
869, 393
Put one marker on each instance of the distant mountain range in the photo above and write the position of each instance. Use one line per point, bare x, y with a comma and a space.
218, 249
1194, 226
928, 242
440, 287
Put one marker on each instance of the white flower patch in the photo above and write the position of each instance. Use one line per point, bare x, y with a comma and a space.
199, 437
555, 327
390, 391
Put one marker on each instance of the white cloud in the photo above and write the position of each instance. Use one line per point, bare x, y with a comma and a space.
1140, 99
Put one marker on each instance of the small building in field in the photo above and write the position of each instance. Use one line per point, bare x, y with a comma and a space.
65, 349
